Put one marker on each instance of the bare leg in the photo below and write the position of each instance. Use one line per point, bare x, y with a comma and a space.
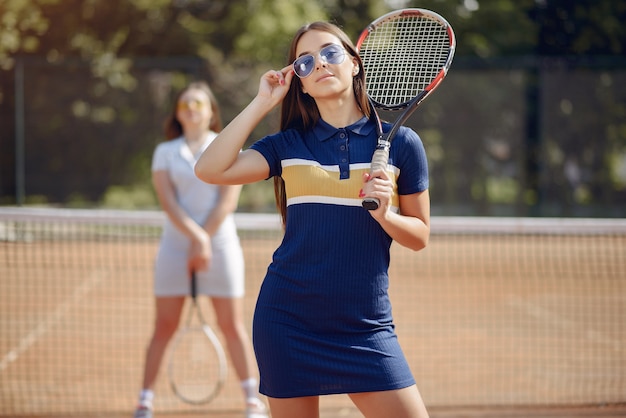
229, 313
168, 312
305, 407
401, 403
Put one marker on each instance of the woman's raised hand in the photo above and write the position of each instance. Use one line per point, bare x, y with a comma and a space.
275, 84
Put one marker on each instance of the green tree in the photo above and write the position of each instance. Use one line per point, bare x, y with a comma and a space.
101, 73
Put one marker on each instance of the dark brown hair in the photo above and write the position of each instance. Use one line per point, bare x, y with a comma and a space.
172, 127
299, 110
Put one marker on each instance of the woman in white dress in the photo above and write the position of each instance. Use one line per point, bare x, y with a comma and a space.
199, 235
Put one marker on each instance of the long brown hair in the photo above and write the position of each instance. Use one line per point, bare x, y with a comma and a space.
172, 127
299, 110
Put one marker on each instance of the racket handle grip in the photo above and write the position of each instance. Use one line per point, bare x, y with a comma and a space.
194, 285
380, 160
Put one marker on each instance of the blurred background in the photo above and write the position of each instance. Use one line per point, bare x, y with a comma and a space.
531, 120
517, 304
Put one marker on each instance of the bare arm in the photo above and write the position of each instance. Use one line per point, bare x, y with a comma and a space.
222, 162
227, 204
199, 257
411, 226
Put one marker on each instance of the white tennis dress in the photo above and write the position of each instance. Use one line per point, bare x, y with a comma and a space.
225, 277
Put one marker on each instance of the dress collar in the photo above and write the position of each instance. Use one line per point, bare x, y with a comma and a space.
323, 131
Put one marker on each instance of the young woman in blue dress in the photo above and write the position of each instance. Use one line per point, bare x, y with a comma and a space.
323, 323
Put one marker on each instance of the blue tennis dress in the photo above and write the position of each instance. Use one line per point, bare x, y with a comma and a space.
323, 322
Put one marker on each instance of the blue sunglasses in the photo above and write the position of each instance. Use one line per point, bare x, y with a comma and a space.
330, 54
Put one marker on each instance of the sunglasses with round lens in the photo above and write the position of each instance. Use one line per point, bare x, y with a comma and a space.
330, 54
191, 105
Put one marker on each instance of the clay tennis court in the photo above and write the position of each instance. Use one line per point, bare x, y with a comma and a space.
492, 324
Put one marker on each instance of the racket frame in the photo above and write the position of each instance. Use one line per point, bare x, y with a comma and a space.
380, 158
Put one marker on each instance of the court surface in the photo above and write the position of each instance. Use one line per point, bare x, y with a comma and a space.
517, 326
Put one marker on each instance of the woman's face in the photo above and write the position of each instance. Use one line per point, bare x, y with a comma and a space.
194, 109
326, 79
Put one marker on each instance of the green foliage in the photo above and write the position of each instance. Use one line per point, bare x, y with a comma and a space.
258, 31
22, 25
101, 74
130, 197
267, 35
590, 27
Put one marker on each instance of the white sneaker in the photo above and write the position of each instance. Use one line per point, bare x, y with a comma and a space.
255, 408
143, 412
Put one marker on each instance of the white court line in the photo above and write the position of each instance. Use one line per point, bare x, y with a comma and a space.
34, 335
549, 317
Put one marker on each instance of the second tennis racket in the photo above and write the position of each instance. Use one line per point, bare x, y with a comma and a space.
197, 367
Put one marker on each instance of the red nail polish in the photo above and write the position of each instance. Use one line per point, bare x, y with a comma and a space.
361, 194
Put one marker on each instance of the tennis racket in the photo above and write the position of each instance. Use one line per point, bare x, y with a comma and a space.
197, 367
406, 54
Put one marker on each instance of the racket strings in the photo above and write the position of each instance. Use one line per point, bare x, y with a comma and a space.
197, 367
402, 57
195, 370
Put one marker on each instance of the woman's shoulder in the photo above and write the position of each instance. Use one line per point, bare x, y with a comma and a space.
171, 142
288, 137
290, 134
169, 145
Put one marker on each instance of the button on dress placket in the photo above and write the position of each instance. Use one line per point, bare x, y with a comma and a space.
344, 155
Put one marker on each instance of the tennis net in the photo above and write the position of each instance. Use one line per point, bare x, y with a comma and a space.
495, 311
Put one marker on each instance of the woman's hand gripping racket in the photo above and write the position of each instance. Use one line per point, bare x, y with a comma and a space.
197, 367
405, 54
